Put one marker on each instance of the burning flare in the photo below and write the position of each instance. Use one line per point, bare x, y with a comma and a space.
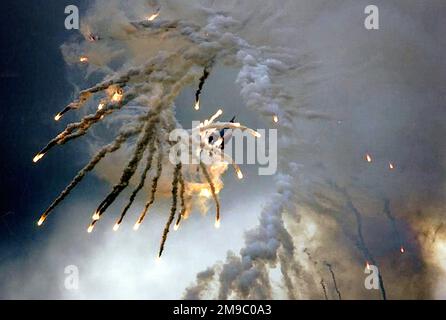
239, 173
149, 127
96, 216
368, 158
38, 157
41, 220
117, 96
90, 227
136, 226
153, 16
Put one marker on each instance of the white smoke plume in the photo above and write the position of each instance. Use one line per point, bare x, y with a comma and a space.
337, 93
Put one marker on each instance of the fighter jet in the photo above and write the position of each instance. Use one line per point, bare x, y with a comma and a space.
222, 137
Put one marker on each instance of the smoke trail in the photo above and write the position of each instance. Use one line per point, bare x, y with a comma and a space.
173, 209
361, 243
247, 276
182, 200
78, 129
213, 192
61, 113
324, 289
389, 215
203, 78
142, 180
129, 171
83, 98
112, 147
330, 268
159, 168
259, 65
285, 266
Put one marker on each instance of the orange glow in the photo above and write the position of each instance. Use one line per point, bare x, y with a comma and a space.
117, 96
96, 216
38, 157
57, 117
136, 226
83, 59
153, 16
205, 192
41, 220
90, 228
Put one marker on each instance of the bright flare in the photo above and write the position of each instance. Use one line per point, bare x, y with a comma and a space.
83, 59
41, 220
217, 224
239, 174
402, 250
367, 265
215, 116
391, 166
256, 134
96, 216
90, 228
117, 97
368, 158
205, 192
136, 226
275, 118
153, 16
116, 226
176, 226
100, 106
197, 105
38, 157
57, 117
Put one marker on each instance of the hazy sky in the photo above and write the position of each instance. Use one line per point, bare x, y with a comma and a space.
350, 92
